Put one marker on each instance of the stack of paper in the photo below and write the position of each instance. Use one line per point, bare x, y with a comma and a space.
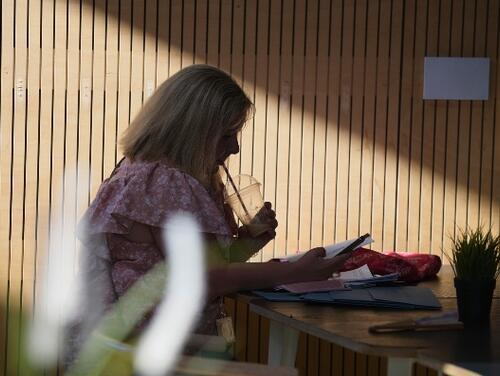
404, 297
332, 250
399, 297
314, 286
363, 277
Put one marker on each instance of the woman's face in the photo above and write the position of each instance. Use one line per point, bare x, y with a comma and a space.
227, 145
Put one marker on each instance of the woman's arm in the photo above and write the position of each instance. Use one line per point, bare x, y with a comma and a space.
226, 279
245, 246
235, 277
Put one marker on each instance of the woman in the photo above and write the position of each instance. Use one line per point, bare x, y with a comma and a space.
173, 150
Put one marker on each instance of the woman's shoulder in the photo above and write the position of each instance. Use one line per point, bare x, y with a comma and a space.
144, 169
149, 192
161, 179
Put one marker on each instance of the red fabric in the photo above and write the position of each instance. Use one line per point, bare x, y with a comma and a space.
412, 267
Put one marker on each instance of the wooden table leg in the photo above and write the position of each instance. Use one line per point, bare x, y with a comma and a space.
399, 366
283, 343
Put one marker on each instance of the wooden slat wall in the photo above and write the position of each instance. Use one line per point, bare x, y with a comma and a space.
341, 140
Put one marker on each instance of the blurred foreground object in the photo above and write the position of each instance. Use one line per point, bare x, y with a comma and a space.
163, 340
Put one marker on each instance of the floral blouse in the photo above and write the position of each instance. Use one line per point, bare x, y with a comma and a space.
148, 193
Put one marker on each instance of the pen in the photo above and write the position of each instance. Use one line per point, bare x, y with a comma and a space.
354, 245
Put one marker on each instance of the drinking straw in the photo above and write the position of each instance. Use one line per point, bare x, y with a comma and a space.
236, 190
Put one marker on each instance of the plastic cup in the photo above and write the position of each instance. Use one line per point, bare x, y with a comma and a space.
246, 201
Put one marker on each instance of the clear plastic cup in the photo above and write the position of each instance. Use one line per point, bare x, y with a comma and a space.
246, 202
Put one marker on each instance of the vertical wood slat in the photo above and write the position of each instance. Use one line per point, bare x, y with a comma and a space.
272, 107
370, 105
438, 171
419, 370
124, 64
225, 23
325, 357
237, 63
261, 86
337, 360
162, 42
201, 32
380, 134
225, 54
488, 162
477, 122
44, 139
137, 61
452, 129
320, 125
427, 143
344, 124
283, 146
253, 341
312, 355
188, 33
85, 115
467, 49
296, 127
331, 153
111, 88
391, 143
97, 110
264, 340
150, 38
31, 158
175, 57
6, 130
307, 125
349, 363
353, 217
17, 170
249, 69
246, 140
31, 165
361, 364
72, 113
496, 157
416, 130
301, 360
213, 32
241, 330
407, 78
373, 366
57, 225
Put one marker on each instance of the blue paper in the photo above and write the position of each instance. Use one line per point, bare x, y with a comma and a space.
409, 295
398, 297
278, 296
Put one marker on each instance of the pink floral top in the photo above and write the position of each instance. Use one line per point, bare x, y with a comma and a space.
148, 193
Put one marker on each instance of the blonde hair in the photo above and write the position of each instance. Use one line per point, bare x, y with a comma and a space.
184, 120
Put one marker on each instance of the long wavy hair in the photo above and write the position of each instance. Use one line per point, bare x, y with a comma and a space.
184, 120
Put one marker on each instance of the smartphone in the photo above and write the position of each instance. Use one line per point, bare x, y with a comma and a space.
354, 245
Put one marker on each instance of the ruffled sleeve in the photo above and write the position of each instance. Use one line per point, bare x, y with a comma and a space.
149, 193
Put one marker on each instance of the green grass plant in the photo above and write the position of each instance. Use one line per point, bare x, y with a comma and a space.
475, 255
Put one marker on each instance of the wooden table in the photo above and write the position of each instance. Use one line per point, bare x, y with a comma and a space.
348, 327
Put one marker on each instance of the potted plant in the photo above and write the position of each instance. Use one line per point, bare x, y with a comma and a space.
475, 259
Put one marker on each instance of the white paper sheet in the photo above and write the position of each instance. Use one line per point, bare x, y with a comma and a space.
332, 250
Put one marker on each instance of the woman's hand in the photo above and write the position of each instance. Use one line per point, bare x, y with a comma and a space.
265, 216
313, 266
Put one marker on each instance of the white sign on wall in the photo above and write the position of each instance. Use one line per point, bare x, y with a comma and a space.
462, 78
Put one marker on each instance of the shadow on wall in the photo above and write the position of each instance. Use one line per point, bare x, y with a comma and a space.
334, 64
